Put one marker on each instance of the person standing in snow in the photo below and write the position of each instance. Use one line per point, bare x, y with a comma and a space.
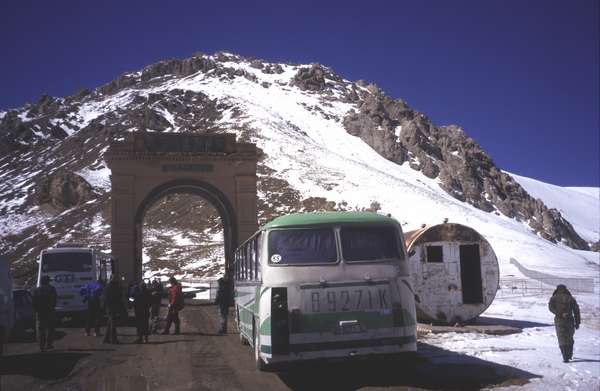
566, 319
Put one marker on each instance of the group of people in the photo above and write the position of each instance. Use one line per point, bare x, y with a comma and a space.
147, 298
107, 299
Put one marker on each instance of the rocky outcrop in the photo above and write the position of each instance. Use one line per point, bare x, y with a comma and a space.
375, 124
271, 69
146, 118
63, 190
177, 68
313, 78
465, 171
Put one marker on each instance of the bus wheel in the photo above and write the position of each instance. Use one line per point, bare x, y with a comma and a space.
260, 364
243, 339
238, 327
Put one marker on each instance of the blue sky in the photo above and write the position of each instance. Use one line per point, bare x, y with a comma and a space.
520, 77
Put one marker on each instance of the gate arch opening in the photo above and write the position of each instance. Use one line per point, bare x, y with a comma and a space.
204, 190
147, 166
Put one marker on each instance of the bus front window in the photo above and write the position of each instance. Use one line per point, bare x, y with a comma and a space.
369, 243
67, 262
302, 246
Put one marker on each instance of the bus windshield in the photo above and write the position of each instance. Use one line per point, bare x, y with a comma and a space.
369, 243
67, 262
302, 246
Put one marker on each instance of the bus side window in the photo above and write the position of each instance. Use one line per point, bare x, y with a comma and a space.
252, 245
241, 264
250, 253
245, 263
235, 265
257, 256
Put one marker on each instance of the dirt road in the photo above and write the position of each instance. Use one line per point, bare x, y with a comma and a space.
200, 359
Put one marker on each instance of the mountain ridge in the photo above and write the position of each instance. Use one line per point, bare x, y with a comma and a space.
229, 93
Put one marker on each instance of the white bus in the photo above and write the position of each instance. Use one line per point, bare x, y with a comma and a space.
70, 267
324, 285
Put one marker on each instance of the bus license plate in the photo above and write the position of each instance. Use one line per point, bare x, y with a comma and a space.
349, 327
375, 298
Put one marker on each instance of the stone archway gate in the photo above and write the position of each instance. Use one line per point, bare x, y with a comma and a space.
145, 167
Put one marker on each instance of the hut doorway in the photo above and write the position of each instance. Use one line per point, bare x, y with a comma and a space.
470, 274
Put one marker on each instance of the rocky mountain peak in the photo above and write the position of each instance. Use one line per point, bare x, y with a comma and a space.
447, 153
51, 151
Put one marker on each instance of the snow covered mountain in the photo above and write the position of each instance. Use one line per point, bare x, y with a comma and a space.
579, 205
327, 144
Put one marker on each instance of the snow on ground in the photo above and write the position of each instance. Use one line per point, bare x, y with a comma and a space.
535, 350
200, 290
98, 178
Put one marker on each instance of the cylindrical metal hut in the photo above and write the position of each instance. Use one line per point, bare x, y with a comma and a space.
455, 272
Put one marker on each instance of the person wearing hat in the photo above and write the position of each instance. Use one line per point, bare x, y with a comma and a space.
175, 305
566, 319
44, 304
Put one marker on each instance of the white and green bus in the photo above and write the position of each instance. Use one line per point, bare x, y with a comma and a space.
324, 285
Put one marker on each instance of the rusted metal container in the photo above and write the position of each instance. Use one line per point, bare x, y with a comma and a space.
455, 272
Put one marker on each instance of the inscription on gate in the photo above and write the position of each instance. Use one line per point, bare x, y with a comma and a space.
187, 143
187, 167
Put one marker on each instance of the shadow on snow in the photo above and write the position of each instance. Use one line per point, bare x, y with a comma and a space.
521, 324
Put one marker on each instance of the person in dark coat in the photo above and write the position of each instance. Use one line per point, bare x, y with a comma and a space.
156, 291
141, 305
175, 305
44, 304
566, 319
92, 295
223, 300
113, 304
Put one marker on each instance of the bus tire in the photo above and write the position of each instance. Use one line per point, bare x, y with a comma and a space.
238, 327
260, 364
243, 339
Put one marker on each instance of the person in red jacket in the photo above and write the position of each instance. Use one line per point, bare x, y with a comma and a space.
175, 305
